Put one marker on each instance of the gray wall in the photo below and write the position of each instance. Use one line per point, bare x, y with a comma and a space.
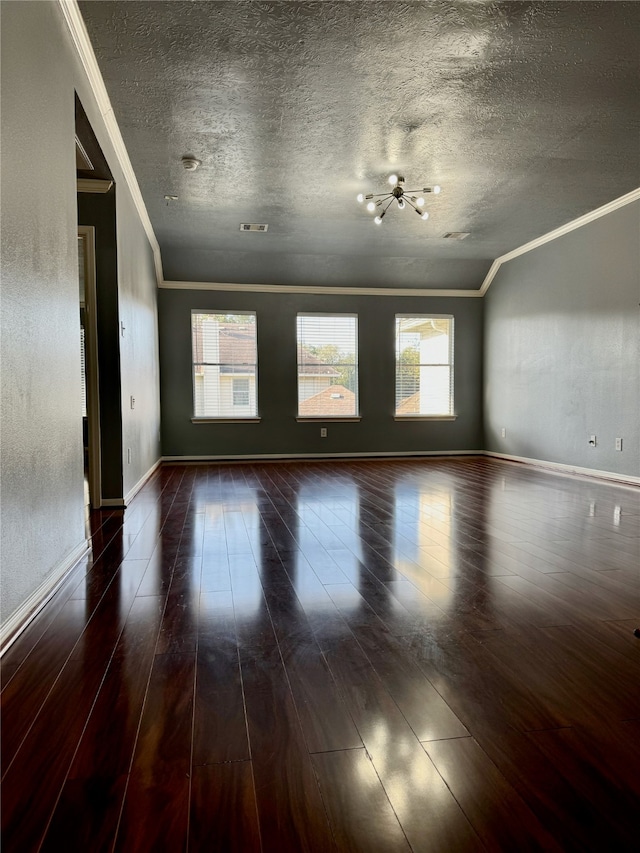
562, 348
42, 519
279, 432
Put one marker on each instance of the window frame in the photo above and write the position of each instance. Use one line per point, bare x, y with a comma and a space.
237, 392
451, 415
333, 418
220, 419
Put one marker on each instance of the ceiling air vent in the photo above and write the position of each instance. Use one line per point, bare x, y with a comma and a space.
245, 226
456, 235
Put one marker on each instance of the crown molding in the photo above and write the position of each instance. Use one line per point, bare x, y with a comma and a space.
316, 290
616, 204
93, 185
84, 49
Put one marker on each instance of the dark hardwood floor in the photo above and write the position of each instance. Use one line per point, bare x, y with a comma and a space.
432, 655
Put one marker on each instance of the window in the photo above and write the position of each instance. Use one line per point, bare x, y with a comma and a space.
424, 366
224, 365
240, 392
327, 366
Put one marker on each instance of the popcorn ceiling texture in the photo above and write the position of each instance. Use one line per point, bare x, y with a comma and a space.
526, 113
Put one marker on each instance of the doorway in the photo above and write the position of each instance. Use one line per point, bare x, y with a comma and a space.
89, 366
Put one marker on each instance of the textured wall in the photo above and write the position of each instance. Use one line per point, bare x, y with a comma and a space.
139, 357
42, 519
562, 349
279, 432
42, 498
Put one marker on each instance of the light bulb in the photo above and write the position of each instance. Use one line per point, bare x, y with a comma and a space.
425, 215
393, 179
420, 201
401, 204
436, 189
360, 197
378, 220
371, 207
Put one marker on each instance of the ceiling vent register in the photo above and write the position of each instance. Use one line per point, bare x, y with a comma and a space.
245, 226
456, 235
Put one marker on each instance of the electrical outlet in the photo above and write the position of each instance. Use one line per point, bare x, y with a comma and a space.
133, 402
323, 432
503, 432
618, 444
592, 440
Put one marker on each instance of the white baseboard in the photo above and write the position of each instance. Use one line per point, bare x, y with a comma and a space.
629, 479
623, 479
122, 503
277, 457
134, 491
29, 609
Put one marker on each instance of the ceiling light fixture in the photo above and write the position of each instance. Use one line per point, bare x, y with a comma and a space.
399, 194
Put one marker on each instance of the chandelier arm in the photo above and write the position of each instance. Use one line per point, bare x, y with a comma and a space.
391, 200
379, 195
408, 201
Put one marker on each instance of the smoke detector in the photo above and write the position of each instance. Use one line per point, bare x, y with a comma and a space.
190, 164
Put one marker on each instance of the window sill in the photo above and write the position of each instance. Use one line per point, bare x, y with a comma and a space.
225, 420
329, 418
425, 417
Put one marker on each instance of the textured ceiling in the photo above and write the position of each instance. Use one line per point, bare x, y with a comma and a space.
527, 115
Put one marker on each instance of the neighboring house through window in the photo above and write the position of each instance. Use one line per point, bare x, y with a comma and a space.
240, 392
224, 365
424, 366
327, 365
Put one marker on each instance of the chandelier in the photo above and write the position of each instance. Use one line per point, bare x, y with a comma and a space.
381, 202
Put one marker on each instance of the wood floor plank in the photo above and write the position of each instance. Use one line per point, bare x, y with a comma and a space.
290, 808
25, 694
581, 679
485, 691
32, 783
220, 728
155, 811
496, 811
325, 721
17, 653
223, 816
318, 655
585, 761
426, 809
87, 813
360, 814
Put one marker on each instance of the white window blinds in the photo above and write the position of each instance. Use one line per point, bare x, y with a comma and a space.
224, 365
327, 365
424, 365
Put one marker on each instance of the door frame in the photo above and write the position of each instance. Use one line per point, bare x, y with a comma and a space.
88, 235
